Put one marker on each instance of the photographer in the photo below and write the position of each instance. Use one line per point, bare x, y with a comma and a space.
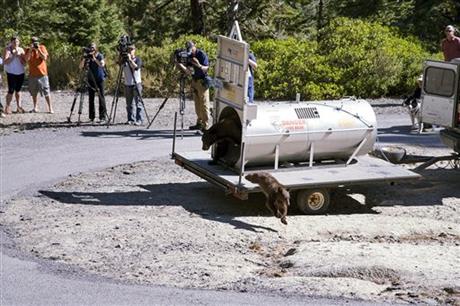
93, 61
132, 70
36, 56
197, 65
14, 66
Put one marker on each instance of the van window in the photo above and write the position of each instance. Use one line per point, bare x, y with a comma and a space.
439, 81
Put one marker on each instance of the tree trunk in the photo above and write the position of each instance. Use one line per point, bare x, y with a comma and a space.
319, 21
197, 17
232, 14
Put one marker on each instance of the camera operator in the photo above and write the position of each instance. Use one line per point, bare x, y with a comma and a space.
36, 56
132, 70
94, 62
198, 62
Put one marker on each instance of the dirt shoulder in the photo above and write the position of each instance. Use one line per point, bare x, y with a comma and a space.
62, 104
154, 223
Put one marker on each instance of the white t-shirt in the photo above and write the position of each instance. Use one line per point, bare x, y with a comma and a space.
129, 81
15, 66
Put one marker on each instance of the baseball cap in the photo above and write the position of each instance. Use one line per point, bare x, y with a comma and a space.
449, 28
34, 39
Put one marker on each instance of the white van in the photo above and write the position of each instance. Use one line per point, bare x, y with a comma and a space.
440, 99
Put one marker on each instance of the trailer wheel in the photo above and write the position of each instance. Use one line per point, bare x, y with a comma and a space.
313, 202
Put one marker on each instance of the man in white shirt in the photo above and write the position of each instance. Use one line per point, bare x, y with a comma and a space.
133, 87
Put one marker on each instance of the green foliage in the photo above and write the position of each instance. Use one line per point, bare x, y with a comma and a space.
290, 66
355, 58
63, 21
372, 60
63, 66
302, 46
86, 21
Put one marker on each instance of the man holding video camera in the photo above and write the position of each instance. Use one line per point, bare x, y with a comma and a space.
132, 71
94, 62
197, 65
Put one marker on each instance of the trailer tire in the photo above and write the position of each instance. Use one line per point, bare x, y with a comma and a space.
313, 201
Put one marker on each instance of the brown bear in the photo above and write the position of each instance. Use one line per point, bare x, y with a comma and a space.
277, 196
226, 134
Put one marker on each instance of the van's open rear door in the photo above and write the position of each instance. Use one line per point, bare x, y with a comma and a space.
439, 93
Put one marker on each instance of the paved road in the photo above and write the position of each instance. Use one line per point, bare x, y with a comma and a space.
36, 159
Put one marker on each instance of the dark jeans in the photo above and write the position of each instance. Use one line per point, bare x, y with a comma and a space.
91, 93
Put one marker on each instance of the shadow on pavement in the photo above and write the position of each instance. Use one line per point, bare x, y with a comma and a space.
62, 124
138, 133
197, 198
436, 185
406, 135
202, 199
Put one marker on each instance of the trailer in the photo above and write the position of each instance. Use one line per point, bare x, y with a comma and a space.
310, 187
311, 148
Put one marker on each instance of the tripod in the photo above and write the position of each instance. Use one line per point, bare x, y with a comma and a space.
113, 109
81, 89
182, 102
182, 80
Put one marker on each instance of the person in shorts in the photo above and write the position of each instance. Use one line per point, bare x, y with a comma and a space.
36, 56
13, 58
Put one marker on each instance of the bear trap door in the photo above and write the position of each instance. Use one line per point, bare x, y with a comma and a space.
231, 73
232, 77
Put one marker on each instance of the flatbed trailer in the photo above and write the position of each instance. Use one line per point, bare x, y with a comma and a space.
310, 148
311, 184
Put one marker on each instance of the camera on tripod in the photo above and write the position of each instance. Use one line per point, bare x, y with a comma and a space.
123, 47
183, 56
88, 52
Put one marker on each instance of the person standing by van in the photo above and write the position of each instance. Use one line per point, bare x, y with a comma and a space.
14, 60
450, 45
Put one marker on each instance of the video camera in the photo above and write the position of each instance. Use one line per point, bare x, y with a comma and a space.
183, 56
88, 52
123, 46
